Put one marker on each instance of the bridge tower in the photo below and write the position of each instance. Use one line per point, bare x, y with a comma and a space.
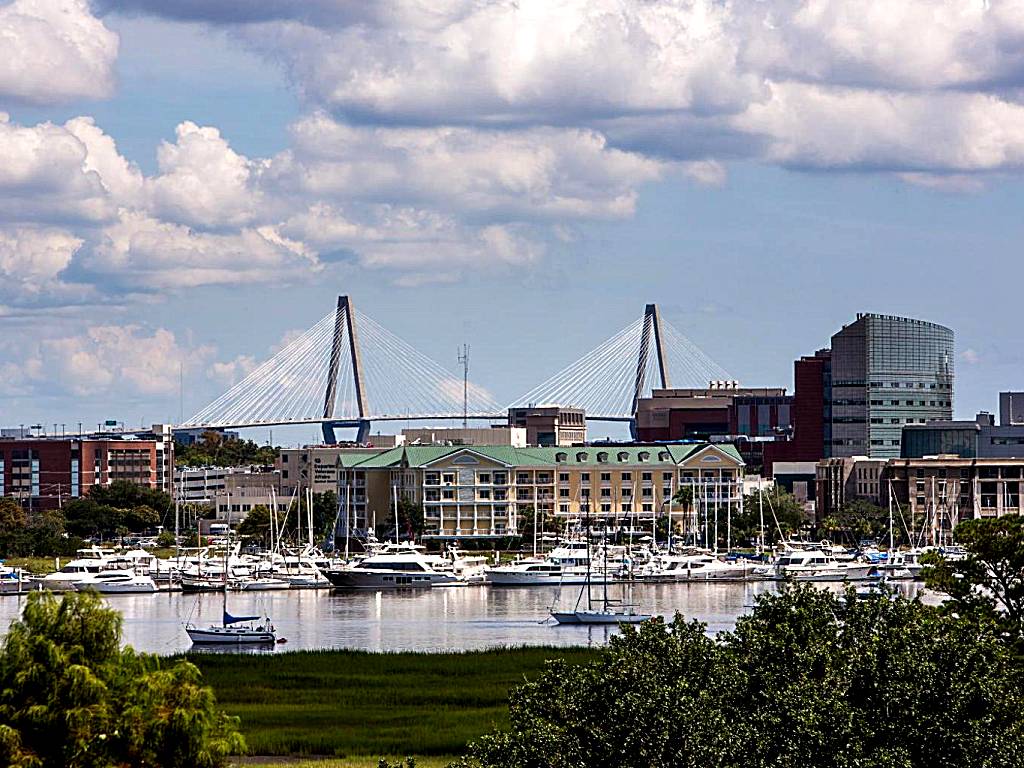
345, 318
651, 328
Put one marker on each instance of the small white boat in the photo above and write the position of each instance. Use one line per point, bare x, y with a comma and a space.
117, 583
235, 630
258, 584
817, 565
12, 580
697, 566
606, 616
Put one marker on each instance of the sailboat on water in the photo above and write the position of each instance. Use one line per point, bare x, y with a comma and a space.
233, 630
606, 610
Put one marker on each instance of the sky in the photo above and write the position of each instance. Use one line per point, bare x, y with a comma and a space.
184, 186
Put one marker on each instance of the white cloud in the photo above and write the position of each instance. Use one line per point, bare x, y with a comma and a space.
816, 127
970, 356
911, 44
232, 371
54, 51
535, 173
203, 182
528, 61
101, 360
140, 251
31, 260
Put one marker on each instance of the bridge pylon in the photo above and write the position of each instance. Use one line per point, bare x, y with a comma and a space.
345, 318
651, 331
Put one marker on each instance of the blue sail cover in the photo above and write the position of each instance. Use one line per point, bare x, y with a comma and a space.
229, 619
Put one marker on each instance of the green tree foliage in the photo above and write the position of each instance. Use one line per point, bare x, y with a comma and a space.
40, 532
214, 450
787, 510
859, 519
110, 510
989, 583
70, 697
255, 528
411, 521
808, 680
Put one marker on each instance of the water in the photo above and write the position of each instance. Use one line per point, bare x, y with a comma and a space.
456, 618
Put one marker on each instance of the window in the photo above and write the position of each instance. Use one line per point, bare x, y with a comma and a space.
602, 457
560, 457
648, 507
584, 493
606, 493
645, 477
563, 477
485, 477
563, 493
666, 477
648, 493
627, 476
581, 456
627, 493
606, 507
563, 508
606, 477
623, 456
627, 508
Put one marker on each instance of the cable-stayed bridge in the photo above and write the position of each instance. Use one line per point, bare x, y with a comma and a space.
348, 371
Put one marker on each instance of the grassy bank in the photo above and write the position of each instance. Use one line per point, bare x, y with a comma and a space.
349, 703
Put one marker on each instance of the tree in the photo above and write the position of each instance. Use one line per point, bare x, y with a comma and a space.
989, 583
858, 519
808, 679
13, 527
779, 505
213, 449
121, 494
256, 525
70, 697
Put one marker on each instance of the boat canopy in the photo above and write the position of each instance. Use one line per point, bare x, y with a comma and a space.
229, 619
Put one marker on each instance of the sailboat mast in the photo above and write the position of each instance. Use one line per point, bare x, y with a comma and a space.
348, 519
394, 495
760, 508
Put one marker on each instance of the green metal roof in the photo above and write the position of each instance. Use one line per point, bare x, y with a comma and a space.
423, 455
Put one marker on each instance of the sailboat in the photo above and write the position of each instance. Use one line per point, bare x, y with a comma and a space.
608, 611
233, 630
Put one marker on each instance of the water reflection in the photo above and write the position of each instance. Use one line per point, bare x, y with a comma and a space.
427, 620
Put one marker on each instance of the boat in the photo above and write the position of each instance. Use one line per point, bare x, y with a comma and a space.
257, 584
89, 561
235, 630
817, 565
610, 612
12, 580
527, 572
117, 582
399, 570
696, 566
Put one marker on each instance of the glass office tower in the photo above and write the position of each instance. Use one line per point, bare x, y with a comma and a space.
887, 372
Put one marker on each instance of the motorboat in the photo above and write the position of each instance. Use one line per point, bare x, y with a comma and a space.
90, 561
525, 573
235, 630
399, 570
257, 583
12, 580
697, 566
817, 565
117, 582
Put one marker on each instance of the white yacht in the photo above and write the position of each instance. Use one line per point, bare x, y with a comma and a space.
90, 561
397, 570
817, 565
697, 566
117, 582
13, 581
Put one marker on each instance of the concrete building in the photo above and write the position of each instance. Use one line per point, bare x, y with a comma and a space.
887, 372
812, 413
244, 490
550, 425
317, 466
495, 435
482, 491
981, 438
842, 480
45, 473
700, 414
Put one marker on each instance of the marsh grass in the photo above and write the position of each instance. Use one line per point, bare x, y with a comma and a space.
359, 703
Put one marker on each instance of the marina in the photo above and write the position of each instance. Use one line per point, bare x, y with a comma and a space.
421, 620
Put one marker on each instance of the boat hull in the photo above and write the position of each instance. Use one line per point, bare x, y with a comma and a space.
514, 579
367, 579
598, 617
230, 636
119, 589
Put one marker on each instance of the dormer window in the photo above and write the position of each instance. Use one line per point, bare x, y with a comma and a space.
644, 456
561, 457
581, 456
602, 456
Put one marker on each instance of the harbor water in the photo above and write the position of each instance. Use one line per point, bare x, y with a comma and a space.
440, 619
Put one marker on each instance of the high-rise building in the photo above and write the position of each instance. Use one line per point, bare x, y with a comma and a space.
887, 372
